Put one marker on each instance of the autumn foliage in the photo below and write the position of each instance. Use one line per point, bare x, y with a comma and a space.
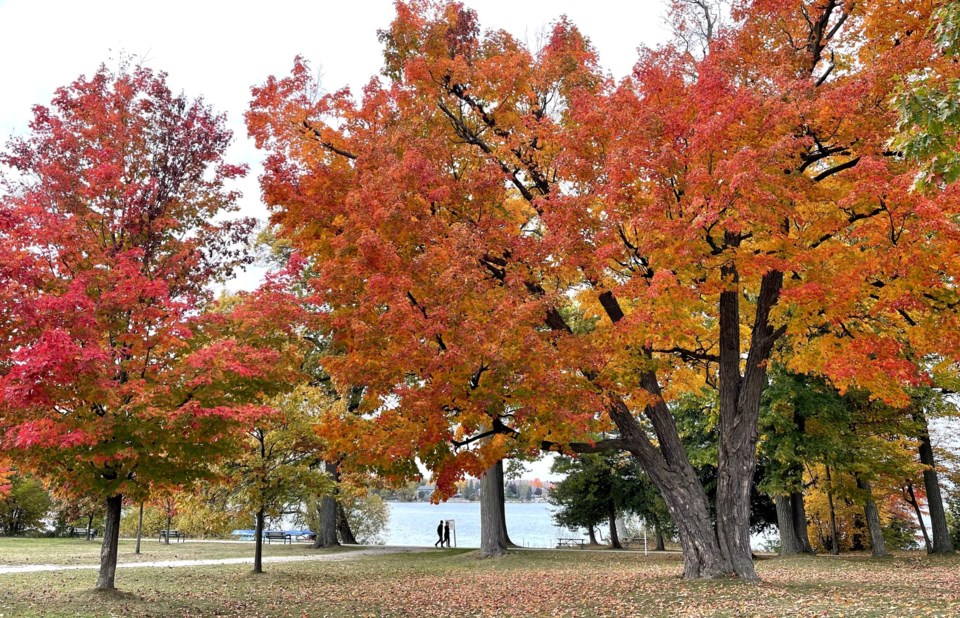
113, 378
510, 245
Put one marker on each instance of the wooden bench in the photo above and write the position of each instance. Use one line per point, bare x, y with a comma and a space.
172, 534
568, 542
278, 535
81, 533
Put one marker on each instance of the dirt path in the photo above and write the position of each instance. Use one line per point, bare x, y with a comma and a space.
347, 555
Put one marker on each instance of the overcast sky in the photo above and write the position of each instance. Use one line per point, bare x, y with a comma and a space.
218, 50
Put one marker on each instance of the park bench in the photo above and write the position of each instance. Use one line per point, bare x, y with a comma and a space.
172, 534
278, 535
570, 542
633, 540
82, 533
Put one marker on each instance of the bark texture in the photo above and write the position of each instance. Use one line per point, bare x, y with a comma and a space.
789, 544
109, 549
327, 534
493, 523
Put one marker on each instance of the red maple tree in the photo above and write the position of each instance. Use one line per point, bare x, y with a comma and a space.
112, 377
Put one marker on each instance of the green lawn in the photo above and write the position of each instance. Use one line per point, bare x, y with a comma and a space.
14, 551
526, 583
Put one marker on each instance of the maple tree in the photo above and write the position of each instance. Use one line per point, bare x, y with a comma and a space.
516, 252
113, 378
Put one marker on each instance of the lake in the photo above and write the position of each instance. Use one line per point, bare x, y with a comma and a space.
415, 523
529, 524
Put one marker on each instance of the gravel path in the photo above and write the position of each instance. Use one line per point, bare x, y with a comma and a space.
349, 555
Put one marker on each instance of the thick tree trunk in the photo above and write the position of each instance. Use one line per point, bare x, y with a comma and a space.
258, 543
109, 550
493, 522
873, 520
592, 536
669, 469
327, 534
343, 526
740, 412
789, 544
667, 464
658, 534
912, 499
614, 535
139, 530
942, 543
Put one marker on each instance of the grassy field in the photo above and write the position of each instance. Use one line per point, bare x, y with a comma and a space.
524, 583
15, 552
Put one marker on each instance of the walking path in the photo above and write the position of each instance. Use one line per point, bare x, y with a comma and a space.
349, 555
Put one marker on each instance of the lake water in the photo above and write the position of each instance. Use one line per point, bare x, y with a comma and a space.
529, 524
415, 523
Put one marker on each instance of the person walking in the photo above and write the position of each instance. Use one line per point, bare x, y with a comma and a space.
446, 534
439, 535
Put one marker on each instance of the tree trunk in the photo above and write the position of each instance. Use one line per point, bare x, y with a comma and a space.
658, 534
614, 536
257, 543
667, 465
111, 539
799, 513
834, 537
343, 526
942, 543
873, 520
740, 413
139, 530
789, 544
591, 536
327, 534
89, 536
494, 540
912, 499
169, 520
669, 469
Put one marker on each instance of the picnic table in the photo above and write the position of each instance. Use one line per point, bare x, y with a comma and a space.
570, 542
172, 534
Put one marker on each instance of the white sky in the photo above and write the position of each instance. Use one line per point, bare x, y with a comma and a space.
218, 50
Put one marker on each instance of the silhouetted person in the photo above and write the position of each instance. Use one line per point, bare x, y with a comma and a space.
446, 534
439, 535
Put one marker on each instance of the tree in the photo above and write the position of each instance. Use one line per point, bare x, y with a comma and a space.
25, 507
279, 466
113, 378
483, 198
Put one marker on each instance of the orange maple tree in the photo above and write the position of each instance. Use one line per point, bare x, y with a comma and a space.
508, 245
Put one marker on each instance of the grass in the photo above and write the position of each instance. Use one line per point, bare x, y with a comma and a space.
524, 583
16, 552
